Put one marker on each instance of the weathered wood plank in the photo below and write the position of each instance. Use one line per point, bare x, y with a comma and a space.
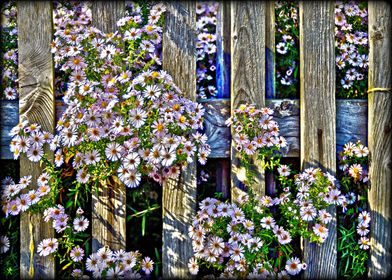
36, 104
317, 117
223, 29
179, 197
380, 139
351, 122
217, 111
286, 114
106, 13
247, 75
109, 204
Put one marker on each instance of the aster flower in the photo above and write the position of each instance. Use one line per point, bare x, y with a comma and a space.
77, 273
193, 266
80, 224
281, 48
364, 218
267, 222
293, 266
147, 265
35, 153
47, 246
4, 244
363, 229
364, 243
77, 254
284, 170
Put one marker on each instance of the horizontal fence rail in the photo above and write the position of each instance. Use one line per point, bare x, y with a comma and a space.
316, 126
351, 123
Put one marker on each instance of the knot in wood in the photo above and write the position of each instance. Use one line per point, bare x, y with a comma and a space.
377, 35
319, 132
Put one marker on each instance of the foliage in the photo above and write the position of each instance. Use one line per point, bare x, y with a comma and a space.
352, 48
124, 119
353, 234
256, 134
9, 230
254, 236
287, 49
9, 51
206, 49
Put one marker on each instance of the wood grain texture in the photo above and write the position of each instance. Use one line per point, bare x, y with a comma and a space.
105, 14
223, 30
286, 114
351, 122
109, 204
247, 76
217, 111
380, 139
36, 104
179, 196
318, 118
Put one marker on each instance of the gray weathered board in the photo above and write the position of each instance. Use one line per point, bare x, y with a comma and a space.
351, 123
318, 118
109, 202
380, 138
179, 196
247, 82
36, 104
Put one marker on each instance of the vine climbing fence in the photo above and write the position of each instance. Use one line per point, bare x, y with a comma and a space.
316, 126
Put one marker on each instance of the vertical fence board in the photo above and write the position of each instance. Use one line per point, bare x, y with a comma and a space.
317, 117
179, 197
380, 138
109, 205
36, 104
247, 75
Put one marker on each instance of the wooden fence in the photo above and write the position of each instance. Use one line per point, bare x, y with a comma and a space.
316, 126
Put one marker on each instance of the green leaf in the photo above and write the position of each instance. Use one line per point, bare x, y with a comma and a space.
143, 225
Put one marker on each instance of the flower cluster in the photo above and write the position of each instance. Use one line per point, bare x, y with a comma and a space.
363, 229
47, 246
17, 198
30, 139
354, 224
9, 50
109, 264
238, 239
206, 48
249, 237
352, 48
287, 48
255, 131
122, 116
353, 161
305, 200
60, 219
